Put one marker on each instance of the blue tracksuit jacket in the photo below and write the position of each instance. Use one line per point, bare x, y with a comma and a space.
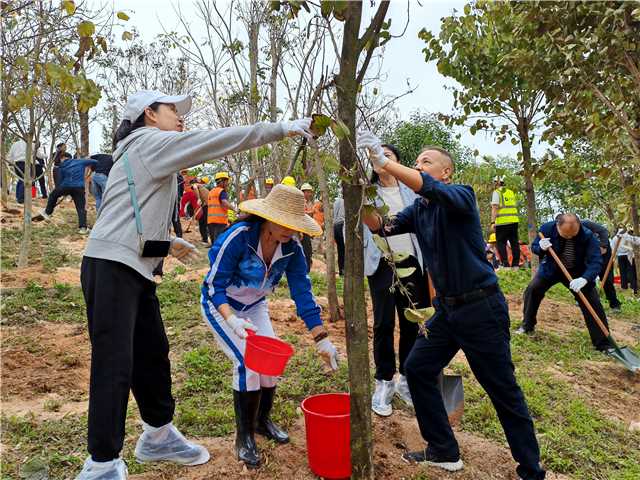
588, 256
239, 277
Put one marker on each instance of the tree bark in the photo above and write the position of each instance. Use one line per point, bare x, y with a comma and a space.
23, 256
532, 222
256, 167
354, 299
276, 53
329, 247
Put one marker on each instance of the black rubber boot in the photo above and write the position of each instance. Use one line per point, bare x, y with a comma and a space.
246, 406
265, 426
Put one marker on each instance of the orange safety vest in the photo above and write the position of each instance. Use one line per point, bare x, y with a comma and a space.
216, 213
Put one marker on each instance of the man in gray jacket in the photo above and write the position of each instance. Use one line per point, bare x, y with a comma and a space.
602, 234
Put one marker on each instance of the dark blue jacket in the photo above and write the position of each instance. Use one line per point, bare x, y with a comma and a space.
72, 172
588, 256
447, 224
239, 276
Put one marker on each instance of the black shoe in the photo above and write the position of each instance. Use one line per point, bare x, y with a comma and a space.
616, 308
428, 458
265, 426
246, 406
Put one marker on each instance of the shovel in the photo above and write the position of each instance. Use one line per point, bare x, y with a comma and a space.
624, 355
450, 386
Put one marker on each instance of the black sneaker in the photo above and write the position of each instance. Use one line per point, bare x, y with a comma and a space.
428, 458
523, 331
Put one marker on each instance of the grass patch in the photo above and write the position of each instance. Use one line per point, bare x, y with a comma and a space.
205, 397
62, 304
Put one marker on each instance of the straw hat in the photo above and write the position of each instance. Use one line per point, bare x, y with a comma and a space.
285, 206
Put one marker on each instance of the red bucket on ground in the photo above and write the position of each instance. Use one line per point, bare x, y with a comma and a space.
266, 355
326, 419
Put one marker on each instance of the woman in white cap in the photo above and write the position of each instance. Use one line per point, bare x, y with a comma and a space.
130, 351
247, 262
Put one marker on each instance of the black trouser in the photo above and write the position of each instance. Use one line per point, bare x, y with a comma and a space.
509, 233
534, 294
627, 273
56, 176
41, 180
307, 248
481, 330
607, 283
385, 305
338, 236
215, 229
77, 194
129, 351
202, 225
175, 220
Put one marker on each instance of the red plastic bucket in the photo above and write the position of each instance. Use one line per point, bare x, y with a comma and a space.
616, 279
326, 419
266, 355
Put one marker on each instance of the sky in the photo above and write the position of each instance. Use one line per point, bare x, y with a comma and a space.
403, 58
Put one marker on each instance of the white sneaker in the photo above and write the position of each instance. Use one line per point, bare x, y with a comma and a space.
402, 390
112, 470
381, 401
84, 231
41, 215
166, 443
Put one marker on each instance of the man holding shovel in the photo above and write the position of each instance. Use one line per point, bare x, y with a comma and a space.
579, 250
470, 310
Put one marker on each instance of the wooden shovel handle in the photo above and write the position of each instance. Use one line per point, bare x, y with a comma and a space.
610, 264
580, 294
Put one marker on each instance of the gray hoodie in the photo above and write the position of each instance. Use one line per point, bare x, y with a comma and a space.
155, 156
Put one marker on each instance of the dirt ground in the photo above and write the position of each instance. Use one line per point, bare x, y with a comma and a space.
45, 372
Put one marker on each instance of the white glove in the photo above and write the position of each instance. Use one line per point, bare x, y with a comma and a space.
328, 352
301, 126
545, 244
374, 146
240, 326
183, 250
621, 232
577, 284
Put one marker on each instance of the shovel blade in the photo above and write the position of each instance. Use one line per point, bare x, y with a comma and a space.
627, 357
452, 391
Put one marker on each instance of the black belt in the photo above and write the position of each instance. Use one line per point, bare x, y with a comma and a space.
470, 297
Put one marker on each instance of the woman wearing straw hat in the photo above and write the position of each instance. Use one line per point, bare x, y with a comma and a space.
247, 262
130, 351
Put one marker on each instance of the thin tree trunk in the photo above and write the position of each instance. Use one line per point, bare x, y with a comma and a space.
23, 256
354, 299
276, 52
256, 166
635, 221
532, 222
329, 247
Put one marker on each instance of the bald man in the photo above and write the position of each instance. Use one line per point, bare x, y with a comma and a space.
471, 313
579, 250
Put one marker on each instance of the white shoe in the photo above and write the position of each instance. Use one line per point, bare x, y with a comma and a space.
402, 390
112, 470
381, 401
166, 443
84, 231
41, 215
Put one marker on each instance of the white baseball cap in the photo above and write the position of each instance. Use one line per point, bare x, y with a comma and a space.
140, 100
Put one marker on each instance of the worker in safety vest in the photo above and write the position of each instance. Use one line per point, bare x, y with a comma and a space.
217, 207
268, 185
504, 221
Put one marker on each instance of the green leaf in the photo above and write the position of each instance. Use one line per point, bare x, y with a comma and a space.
320, 123
326, 8
405, 272
86, 28
123, 16
331, 163
467, 9
340, 130
383, 210
399, 256
419, 315
381, 243
69, 6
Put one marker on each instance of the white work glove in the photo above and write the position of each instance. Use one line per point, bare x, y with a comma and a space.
301, 126
374, 147
577, 284
545, 244
240, 326
328, 352
621, 232
183, 250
